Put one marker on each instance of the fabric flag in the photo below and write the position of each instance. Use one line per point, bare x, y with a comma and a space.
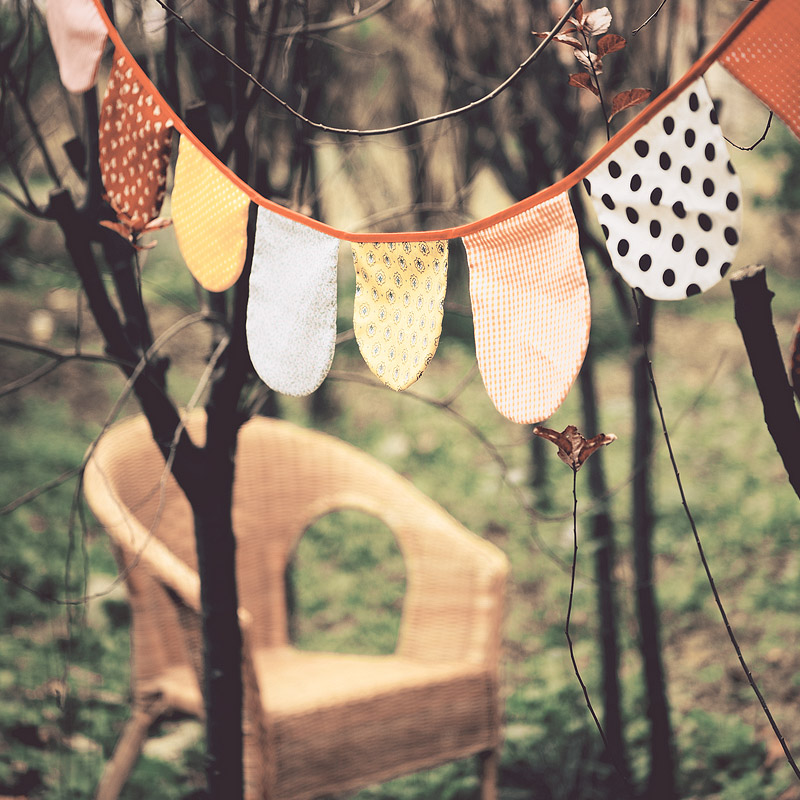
78, 35
209, 212
135, 139
291, 312
399, 305
669, 201
763, 58
530, 308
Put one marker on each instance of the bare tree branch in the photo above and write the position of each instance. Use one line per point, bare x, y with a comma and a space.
394, 128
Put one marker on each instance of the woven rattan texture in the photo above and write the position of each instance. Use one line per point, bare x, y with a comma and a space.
329, 722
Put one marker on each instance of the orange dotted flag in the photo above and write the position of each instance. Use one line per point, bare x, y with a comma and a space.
397, 316
763, 57
530, 307
209, 212
135, 140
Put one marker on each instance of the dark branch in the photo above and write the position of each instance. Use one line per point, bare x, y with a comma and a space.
394, 128
753, 314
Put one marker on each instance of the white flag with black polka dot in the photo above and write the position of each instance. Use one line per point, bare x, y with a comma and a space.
669, 201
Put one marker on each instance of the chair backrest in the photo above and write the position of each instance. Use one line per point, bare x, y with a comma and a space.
286, 478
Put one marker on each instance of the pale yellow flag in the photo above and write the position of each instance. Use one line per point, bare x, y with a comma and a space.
397, 316
209, 212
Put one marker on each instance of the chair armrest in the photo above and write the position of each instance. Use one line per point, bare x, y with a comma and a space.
455, 596
455, 581
138, 543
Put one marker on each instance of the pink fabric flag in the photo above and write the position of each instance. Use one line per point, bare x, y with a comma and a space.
78, 35
530, 305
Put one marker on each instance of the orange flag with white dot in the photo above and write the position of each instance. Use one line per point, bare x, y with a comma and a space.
763, 57
209, 212
135, 139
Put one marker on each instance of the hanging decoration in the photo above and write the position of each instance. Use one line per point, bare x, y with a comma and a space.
669, 202
78, 34
764, 59
209, 212
397, 315
135, 142
528, 285
530, 308
291, 310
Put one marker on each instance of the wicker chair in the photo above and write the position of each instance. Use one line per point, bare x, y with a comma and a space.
315, 723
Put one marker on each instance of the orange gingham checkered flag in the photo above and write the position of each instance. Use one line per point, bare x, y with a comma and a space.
530, 306
764, 58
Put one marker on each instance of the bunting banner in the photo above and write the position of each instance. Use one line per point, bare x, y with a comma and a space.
530, 308
662, 187
291, 310
78, 34
669, 202
763, 58
209, 212
135, 144
399, 305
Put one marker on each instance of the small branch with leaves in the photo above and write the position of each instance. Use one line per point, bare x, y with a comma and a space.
573, 450
579, 33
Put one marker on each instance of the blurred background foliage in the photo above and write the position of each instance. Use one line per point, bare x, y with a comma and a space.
64, 668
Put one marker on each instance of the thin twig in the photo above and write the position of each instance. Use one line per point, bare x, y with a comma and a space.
28, 207
706, 567
394, 128
596, 79
758, 141
79, 470
33, 126
484, 441
650, 18
172, 331
569, 607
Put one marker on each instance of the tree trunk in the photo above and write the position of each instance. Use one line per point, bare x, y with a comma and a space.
753, 315
604, 560
222, 642
661, 780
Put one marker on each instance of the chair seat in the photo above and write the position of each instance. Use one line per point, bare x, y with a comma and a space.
356, 717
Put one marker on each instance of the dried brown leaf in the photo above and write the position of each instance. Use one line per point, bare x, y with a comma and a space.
589, 60
583, 81
597, 21
610, 43
628, 99
573, 447
157, 224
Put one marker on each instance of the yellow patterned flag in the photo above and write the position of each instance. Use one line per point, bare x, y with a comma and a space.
209, 212
397, 316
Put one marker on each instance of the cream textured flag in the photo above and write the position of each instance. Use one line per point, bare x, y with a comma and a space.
209, 212
530, 307
78, 35
291, 311
669, 202
397, 316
